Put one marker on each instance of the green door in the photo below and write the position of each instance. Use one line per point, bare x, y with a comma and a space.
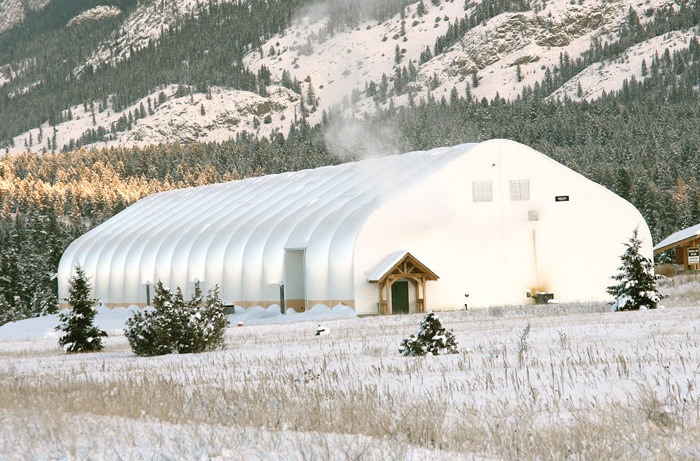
399, 297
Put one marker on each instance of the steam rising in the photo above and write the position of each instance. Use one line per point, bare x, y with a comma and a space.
350, 138
346, 137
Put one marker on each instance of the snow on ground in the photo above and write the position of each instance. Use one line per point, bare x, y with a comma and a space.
337, 65
13, 12
608, 76
147, 22
497, 46
113, 321
535, 382
94, 14
216, 116
350, 59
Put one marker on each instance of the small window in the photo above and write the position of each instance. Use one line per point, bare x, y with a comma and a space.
520, 189
482, 191
533, 215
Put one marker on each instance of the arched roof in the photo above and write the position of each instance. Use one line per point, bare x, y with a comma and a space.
237, 232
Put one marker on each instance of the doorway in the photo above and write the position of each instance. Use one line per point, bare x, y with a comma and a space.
294, 280
392, 275
399, 297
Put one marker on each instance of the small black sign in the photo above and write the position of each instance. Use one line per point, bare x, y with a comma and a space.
561, 198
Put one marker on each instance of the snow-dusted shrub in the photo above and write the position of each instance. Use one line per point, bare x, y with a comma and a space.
178, 326
13, 313
432, 339
79, 333
636, 286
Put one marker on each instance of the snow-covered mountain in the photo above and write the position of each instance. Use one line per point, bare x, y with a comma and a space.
13, 12
94, 14
148, 22
503, 54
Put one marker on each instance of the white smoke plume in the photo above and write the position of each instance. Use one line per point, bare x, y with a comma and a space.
346, 137
356, 139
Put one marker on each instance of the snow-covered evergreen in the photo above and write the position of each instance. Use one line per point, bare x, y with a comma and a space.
79, 332
178, 326
432, 339
636, 286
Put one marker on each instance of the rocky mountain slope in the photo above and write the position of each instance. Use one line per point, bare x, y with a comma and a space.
13, 12
313, 67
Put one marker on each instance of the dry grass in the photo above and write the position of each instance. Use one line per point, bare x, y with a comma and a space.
682, 289
544, 382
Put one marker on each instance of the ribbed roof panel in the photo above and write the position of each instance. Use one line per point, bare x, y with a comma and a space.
234, 234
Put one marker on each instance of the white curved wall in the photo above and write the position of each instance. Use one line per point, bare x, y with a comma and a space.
491, 250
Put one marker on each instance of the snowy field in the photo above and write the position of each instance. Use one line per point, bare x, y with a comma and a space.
538, 382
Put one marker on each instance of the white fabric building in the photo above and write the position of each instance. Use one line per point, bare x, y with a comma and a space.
496, 221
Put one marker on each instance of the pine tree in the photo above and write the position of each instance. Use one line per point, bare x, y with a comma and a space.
206, 324
432, 339
636, 286
178, 326
80, 335
475, 78
421, 10
148, 331
311, 96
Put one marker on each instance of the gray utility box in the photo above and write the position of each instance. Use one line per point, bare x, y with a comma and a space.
544, 297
